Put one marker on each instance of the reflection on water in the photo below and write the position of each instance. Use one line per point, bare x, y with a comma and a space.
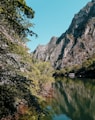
61, 117
73, 100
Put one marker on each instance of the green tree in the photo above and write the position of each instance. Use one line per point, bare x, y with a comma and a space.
16, 15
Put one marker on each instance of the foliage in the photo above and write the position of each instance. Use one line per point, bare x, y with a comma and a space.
15, 14
23, 75
6, 101
27, 81
87, 68
89, 63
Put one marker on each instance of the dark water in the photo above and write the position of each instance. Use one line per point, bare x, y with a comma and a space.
72, 100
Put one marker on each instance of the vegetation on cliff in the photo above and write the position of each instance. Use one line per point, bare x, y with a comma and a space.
86, 69
21, 76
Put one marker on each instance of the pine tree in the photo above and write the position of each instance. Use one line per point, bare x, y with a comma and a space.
16, 15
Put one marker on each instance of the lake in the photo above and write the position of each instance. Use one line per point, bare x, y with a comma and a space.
73, 99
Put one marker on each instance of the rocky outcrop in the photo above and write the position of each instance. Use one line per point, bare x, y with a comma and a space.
74, 46
22, 79
47, 52
14, 84
20, 74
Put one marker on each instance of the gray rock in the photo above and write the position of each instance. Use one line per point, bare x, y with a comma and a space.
75, 45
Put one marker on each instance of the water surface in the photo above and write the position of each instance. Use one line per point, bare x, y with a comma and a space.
72, 100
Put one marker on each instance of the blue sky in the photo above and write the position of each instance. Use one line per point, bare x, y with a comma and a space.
52, 18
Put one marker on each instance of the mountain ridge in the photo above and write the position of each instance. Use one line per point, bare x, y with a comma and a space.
75, 45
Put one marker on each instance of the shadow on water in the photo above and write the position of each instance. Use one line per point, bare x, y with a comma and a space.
73, 99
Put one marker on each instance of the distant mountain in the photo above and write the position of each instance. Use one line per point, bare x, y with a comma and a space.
76, 45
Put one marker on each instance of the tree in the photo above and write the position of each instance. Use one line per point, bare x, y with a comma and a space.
16, 15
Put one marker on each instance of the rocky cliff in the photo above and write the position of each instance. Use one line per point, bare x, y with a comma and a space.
15, 96
74, 46
22, 78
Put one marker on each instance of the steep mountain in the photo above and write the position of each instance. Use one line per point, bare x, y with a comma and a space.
76, 45
22, 78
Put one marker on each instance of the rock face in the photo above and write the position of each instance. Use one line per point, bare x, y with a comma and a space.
75, 45
22, 79
14, 84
